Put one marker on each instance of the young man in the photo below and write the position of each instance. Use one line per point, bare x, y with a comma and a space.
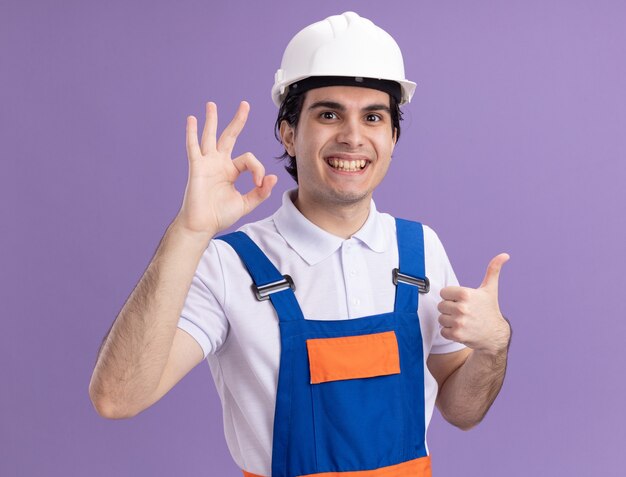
330, 328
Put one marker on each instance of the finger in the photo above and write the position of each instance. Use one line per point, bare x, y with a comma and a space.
446, 321
229, 136
193, 149
451, 334
493, 271
454, 293
448, 307
247, 162
257, 195
209, 133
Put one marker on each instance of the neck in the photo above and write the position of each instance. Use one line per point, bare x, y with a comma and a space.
342, 220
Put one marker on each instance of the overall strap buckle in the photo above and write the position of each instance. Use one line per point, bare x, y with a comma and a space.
422, 284
263, 292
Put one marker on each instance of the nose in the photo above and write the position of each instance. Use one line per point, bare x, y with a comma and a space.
350, 133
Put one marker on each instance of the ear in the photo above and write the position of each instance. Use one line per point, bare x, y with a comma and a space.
394, 139
287, 136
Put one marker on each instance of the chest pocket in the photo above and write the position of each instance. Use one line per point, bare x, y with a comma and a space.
351, 357
357, 400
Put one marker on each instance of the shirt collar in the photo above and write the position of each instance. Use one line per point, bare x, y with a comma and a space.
313, 243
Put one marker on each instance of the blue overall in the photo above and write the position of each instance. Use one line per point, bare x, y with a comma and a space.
347, 425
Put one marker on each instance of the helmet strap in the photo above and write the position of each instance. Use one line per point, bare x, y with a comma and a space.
390, 87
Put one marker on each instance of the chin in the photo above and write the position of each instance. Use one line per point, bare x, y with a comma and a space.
345, 197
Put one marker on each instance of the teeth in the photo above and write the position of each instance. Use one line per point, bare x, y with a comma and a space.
349, 166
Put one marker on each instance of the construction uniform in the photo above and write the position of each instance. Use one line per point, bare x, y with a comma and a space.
332, 377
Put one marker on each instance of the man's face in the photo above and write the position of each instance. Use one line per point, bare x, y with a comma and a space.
342, 144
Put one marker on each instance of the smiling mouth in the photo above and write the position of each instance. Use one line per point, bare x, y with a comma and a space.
347, 166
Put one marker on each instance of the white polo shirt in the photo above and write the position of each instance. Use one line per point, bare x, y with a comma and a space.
335, 279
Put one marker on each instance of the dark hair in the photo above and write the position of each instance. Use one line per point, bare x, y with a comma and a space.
290, 110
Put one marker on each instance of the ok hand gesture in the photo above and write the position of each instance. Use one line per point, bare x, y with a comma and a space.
211, 202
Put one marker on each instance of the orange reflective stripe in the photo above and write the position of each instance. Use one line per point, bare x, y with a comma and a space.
413, 468
349, 357
248, 474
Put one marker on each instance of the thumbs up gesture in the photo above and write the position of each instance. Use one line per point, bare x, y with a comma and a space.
472, 315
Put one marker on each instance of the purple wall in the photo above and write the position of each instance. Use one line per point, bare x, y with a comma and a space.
515, 141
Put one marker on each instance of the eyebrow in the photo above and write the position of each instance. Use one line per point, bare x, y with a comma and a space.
341, 107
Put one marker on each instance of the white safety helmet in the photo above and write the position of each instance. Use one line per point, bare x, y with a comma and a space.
346, 46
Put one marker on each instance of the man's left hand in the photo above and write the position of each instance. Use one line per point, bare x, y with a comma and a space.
472, 315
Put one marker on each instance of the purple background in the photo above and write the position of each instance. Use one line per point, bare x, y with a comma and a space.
515, 141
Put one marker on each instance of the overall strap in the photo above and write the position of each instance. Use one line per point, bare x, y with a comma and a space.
264, 275
410, 279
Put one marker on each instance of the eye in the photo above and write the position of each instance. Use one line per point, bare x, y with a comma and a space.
328, 115
373, 118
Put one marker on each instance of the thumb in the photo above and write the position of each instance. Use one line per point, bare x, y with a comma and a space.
493, 271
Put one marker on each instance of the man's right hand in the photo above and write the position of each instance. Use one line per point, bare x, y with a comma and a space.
211, 202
